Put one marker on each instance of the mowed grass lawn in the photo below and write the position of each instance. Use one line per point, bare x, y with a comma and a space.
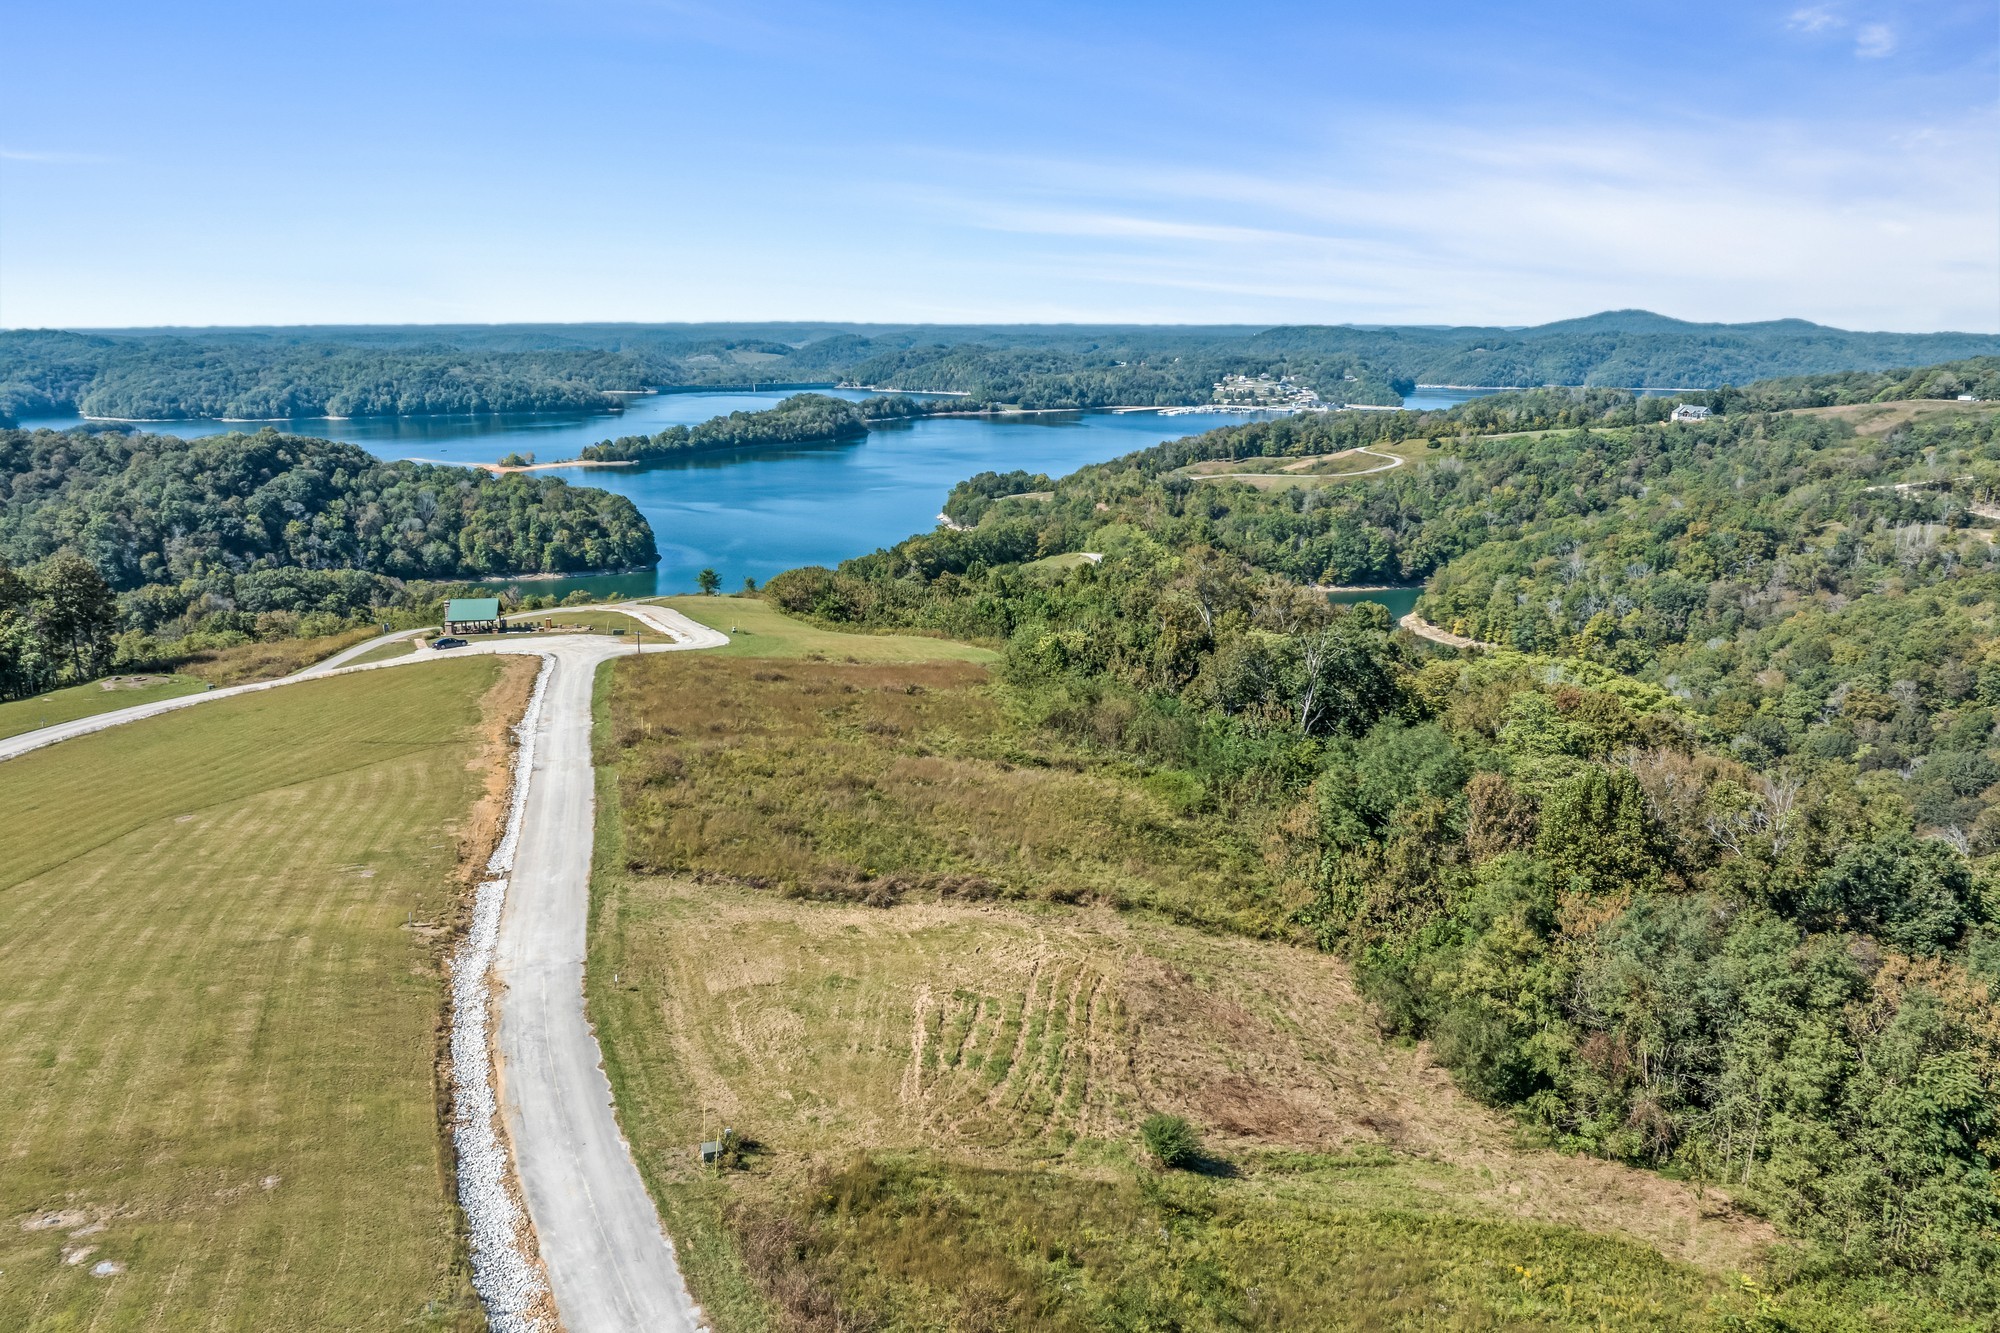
758, 629
216, 1029
100, 696
212, 668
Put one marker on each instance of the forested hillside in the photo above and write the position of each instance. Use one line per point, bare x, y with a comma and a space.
262, 535
802, 418
306, 372
157, 379
1699, 869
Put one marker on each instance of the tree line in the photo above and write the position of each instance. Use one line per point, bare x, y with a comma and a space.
274, 374
155, 379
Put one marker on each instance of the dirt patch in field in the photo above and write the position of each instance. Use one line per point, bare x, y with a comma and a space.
131, 682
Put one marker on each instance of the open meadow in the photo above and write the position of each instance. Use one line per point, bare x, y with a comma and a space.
758, 629
934, 976
220, 942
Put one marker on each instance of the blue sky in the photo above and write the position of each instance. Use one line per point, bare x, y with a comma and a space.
204, 163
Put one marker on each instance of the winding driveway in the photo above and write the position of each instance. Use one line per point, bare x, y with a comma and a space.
609, 1263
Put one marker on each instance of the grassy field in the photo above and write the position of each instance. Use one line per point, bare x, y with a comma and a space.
100, 696
266, 661
1314, 470
1057, 563
219, 993
212, 668
1872, 419
390, 651
877, 782
584, 618
828, 914
757, 629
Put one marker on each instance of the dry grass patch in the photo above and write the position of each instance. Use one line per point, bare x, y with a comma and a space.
1872, 419
1003, 1037
266, 661
219, 941
880, 783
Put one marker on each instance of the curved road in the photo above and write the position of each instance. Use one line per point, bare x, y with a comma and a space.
610, 1265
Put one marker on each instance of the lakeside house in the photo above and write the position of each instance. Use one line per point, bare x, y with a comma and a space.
1689, 412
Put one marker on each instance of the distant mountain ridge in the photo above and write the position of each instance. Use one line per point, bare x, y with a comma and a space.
389, 370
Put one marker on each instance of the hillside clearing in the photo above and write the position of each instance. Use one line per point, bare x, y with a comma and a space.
1873, 419
941, 1076
219, 934
757, 629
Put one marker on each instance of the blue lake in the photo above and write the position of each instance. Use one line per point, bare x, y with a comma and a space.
756, 513
1399, 601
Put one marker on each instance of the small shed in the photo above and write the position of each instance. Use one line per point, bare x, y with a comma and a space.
472, 615
1689, 412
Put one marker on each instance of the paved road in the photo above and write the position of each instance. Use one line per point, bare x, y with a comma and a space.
610, 1265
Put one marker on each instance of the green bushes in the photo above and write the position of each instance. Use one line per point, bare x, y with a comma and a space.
1171, 1140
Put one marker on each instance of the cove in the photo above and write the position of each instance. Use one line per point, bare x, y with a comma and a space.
751, 513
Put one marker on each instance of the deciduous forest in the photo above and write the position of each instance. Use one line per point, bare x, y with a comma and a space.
1695, 865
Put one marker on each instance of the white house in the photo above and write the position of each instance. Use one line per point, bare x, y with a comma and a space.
1689, 412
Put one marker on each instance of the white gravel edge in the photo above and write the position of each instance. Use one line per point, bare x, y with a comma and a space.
504, 1272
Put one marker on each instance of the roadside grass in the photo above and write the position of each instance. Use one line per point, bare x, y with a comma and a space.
99, 696
585, 618
940, 1092
388, 652
220, 935
880, 781
266, 661
757, 629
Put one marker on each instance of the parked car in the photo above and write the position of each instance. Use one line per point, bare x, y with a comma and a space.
447, 641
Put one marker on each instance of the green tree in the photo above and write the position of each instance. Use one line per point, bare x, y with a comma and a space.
75, 614
709, 581
19, 655
1595, 834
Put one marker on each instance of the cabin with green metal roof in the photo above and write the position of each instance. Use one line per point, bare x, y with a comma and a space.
472, 615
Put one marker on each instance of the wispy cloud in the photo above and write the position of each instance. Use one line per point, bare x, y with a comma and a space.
1872, 41
1528, 224
1815, 18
